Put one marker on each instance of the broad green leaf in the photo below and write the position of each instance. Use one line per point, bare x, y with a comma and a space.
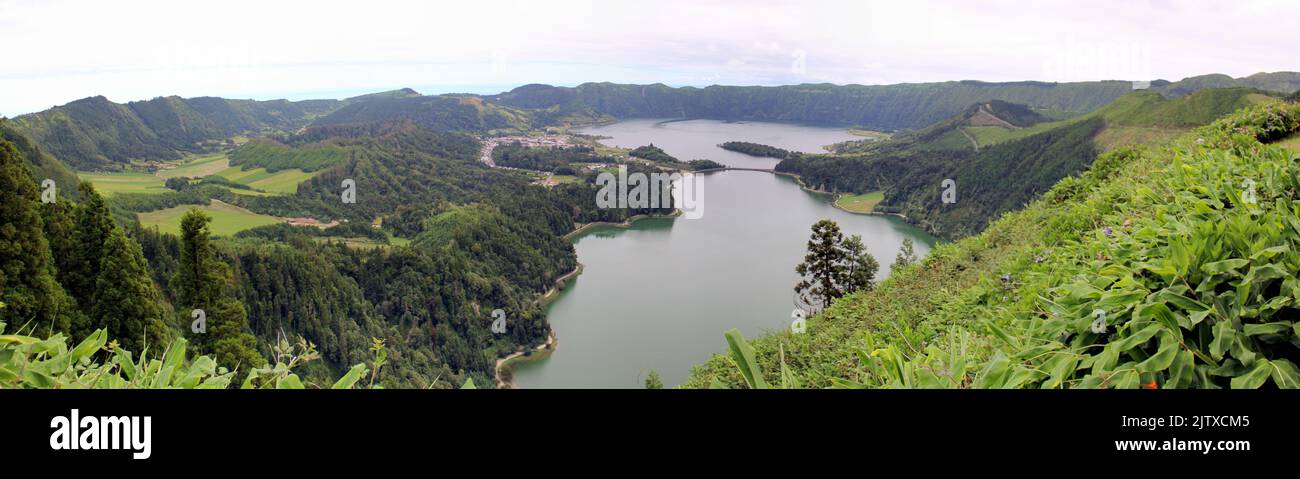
1164, 356
350, 379
1254, 378
743, 355
1285, 374
1267, 328
90, 345
1225, 266
290, 381
1182, 370
1224, 334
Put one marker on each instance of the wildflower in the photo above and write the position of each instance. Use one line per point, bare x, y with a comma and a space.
1150, 385
1107, 231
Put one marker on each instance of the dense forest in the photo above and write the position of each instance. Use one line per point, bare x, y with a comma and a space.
757, 149
516, 155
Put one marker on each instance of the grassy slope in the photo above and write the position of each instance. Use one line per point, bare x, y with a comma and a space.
937, 324
1142, 117
862, 203
282, 182
226, 219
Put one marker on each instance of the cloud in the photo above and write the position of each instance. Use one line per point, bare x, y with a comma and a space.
58, 51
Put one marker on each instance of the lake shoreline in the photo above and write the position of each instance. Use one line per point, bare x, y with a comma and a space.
835, 198
503, 370
627, 223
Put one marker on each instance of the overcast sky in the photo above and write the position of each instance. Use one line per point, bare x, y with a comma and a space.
58, 51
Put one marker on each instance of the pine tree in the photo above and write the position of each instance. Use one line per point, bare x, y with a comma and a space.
125, 300
822, 267
201, 282
28, 289
833, 266
906, 255
653, 381
93, 225
860, 267
200, 277
60, 230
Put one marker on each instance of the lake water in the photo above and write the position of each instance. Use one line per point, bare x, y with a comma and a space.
659, 295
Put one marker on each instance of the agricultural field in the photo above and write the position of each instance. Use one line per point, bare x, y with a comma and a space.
282, 182
109, 184
227, 219
862, 203
197, 167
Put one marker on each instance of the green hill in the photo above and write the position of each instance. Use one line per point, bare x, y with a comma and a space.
97, 134
1007, 170
1156, 267
453, 113
875, 107
1278, 82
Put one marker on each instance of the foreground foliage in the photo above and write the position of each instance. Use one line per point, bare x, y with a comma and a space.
1159, 268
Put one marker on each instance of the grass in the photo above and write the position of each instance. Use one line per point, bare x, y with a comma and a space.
878, 135
282, 182
559, 179
227, 219
113, 183
110, 184
197, 167
861, 203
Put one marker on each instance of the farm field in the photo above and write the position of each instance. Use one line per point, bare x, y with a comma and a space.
862, 203
281, 182
197, 167
227, 219
109, 184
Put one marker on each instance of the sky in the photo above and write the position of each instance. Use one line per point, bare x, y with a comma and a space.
59, 51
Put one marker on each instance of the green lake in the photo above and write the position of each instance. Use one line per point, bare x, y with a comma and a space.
659, 295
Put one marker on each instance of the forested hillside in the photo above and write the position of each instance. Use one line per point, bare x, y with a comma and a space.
97, 134
885, 107
999, 170
464, 113
1157, 267
480, 240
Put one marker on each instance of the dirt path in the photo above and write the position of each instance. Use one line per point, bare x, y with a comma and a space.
973, 143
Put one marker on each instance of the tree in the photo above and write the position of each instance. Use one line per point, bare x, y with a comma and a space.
27, 284
200, 277
906, 256
176, 183
94, 224
860, 266
125, 301
201, 284
833, 266
652, 381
